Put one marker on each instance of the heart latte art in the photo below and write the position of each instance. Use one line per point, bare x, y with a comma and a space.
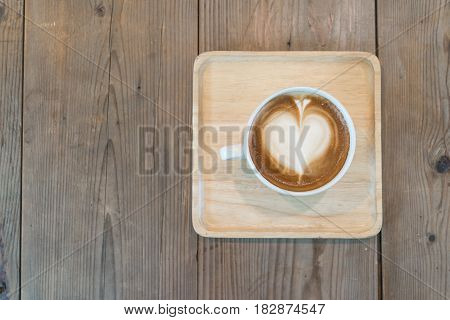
299, 142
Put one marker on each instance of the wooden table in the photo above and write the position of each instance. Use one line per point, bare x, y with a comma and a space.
78, 217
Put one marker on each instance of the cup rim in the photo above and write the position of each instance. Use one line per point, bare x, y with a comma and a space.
350, 154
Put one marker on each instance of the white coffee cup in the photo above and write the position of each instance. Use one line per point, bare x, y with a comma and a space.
242, 150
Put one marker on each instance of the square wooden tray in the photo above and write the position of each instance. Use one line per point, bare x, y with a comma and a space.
228, 201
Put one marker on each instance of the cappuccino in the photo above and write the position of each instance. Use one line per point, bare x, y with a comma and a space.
299, 142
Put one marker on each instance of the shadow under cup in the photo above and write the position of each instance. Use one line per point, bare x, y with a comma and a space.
301, 141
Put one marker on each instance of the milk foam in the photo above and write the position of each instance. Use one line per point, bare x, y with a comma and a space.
296, 142
299, 142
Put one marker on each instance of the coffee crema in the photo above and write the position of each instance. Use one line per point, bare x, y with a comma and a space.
299, 142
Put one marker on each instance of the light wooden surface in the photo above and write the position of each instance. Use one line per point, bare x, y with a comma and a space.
228, 200
11, 41
78, 164
416, 133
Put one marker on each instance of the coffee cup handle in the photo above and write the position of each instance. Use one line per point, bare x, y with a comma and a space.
231, 152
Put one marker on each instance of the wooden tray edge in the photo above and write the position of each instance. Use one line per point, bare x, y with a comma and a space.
201, 230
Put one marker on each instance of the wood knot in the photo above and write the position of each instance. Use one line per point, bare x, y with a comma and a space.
431, 237
443, 164
100, 10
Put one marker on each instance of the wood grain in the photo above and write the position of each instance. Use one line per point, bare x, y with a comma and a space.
66, 60
11, 50
97, 225
287, 269
154, 44
414, 53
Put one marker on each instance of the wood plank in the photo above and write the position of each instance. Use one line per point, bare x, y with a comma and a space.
84, 187
416, 135
154, 44
66, 61
11, 51
287, 269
